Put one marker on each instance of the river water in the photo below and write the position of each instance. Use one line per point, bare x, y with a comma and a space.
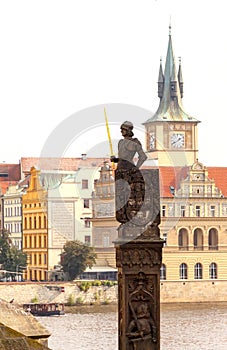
183, 327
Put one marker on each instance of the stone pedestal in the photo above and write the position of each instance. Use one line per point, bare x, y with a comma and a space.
138, 259
139, 263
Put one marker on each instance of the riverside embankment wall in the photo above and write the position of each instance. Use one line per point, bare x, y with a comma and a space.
171, 291
24, 293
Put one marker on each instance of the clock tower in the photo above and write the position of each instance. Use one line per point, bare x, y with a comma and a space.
171, 133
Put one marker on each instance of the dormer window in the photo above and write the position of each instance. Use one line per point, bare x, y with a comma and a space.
4, 174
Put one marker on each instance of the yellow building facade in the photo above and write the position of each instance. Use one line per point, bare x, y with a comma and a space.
34, 239
194, 224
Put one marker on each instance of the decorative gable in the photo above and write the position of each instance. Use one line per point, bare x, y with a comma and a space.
198, 183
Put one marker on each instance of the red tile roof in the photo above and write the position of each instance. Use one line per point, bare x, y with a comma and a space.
172, 176
169, 176
4, 185
12, 170
9, 174
219, 174
65, 164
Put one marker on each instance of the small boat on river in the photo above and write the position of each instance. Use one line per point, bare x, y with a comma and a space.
45, 309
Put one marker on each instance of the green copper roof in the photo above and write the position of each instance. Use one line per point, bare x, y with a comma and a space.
171, 107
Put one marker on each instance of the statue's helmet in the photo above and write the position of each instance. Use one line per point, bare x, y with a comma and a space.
127, 125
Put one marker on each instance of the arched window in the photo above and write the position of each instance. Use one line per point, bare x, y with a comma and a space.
34, 221
213, 271
163, 272
198, 239
183, 271
198, 271
213, 239
183, 239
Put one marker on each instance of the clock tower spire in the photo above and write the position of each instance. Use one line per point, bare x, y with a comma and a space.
171, 132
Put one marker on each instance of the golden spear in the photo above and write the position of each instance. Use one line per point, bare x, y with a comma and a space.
109, 137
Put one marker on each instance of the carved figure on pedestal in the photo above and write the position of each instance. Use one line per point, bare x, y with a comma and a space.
130, 186
142, 329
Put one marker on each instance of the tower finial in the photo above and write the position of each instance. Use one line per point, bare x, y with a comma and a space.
170, 27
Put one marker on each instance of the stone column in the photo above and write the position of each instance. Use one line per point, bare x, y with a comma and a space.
138, 258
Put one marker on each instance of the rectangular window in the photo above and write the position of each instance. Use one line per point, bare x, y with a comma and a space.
163, 272
86, 203
197, 210
87, 223
106, 240
45, 241
25, 242
182, 210
163, 210
29, 259
212, 210
84, 184
165, 238
87, 240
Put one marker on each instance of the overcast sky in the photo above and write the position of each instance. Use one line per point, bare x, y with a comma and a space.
60, 57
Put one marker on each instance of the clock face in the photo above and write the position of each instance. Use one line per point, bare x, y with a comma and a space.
152, 141
177, 140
